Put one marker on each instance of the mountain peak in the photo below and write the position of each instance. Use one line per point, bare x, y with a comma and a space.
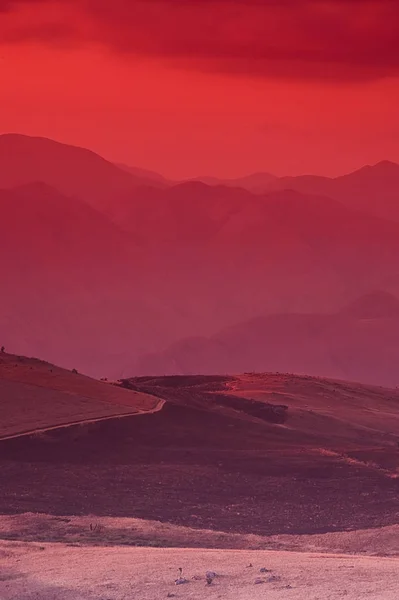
384, 168
73, 170
386, 164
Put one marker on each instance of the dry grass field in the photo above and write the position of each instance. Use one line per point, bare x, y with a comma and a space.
60, 572
92, 530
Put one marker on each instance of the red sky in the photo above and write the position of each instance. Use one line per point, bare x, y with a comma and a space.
200, 87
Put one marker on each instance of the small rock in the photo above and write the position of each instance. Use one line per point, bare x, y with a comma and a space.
210, 574
171, 595
259, 580
264, 570
250, 565
180, 580
274, 578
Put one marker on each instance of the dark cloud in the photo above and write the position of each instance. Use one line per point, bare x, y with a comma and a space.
9, 5
353, 39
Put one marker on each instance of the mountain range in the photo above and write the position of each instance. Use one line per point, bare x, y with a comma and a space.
374, 189
256, 183
66, 285
73, 171
112, 269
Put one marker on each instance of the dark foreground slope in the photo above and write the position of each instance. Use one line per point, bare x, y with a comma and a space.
260, 454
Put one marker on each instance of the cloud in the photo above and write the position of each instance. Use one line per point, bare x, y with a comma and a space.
344, 39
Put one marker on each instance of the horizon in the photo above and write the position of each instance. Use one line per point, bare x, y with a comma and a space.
121, 164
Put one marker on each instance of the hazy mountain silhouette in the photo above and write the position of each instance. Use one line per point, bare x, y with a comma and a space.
73, 171
256, 183
361, 342
181, 213
152, 177
80, 172
374, 189
67, 289
233, 255
375, 305
158, 265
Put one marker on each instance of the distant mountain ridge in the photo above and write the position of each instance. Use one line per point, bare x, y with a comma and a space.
361, 341
374, 189
80, 172
375, 305
146, 174
257, 183
64, 289
74, 171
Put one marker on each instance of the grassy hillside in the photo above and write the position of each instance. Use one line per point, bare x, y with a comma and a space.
35, 395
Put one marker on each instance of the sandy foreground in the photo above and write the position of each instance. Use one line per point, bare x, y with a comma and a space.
62, 572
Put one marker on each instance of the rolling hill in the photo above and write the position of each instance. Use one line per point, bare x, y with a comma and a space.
36, 396
250, 454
